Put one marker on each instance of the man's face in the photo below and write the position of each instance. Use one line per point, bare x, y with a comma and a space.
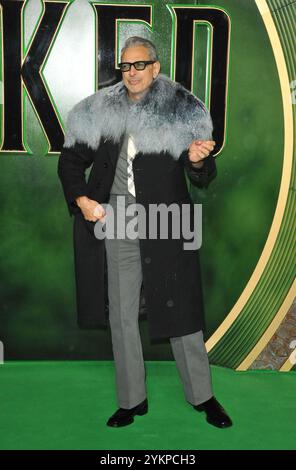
137, 82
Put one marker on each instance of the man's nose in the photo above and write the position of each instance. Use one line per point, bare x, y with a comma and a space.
132, 71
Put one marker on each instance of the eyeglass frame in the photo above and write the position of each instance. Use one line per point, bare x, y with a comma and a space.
145, 62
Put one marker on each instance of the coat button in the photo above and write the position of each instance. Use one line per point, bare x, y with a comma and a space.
170, 303
105, 165
148, 260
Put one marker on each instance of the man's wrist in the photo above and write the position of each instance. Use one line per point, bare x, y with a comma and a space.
81, 200
198, 164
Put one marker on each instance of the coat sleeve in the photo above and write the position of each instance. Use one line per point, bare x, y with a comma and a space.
202, 129
201, 177
72, 164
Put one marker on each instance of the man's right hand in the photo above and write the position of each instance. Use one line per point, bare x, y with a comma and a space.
87, 207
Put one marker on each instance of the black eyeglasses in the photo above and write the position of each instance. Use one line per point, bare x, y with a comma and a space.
139, 65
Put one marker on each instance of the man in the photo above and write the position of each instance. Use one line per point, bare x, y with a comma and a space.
139, 136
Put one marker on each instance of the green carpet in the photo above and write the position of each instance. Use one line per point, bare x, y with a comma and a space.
65, 405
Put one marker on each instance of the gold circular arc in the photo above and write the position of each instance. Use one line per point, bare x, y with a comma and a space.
282, 199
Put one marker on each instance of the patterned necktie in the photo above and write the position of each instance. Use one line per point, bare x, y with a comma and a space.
131, 153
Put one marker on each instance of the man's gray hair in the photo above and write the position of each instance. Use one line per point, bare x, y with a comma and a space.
138, 41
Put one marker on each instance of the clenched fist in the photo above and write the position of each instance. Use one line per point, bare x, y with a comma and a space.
200, 149
91, 210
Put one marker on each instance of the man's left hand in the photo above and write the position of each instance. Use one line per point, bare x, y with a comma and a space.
200, 149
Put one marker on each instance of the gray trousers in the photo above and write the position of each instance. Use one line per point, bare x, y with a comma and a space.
124, 286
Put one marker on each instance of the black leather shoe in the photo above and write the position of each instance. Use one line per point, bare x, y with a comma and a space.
123, 416
216, 415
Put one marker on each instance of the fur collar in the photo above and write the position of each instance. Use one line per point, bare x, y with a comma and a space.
168, 118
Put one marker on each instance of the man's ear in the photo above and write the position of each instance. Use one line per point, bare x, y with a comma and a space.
156, 69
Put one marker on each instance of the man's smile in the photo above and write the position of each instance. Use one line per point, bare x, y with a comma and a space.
134, 82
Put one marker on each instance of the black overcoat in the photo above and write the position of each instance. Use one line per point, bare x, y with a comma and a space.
171, 275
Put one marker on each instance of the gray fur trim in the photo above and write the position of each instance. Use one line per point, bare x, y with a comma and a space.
167, 119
